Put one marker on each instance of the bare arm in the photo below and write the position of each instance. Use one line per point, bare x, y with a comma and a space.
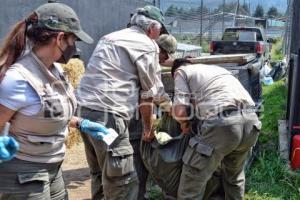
74, 121
180, 115
181, 101
5, 115
147, 66
162, 99
146, 110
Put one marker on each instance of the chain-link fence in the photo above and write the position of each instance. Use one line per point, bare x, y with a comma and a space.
200, 21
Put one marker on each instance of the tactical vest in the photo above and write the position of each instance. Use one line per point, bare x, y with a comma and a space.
42, 136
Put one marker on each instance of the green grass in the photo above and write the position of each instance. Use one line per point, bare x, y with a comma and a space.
276, 52
269, 177
155, 193
274, 108
205, 47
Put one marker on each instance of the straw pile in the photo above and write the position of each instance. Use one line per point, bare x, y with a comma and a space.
74, 69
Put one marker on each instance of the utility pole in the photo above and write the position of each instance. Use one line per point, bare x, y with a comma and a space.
238, 8
201, 23
223, 16
210, 26
237, 13
249, 9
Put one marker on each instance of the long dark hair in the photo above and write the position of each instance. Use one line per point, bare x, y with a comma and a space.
15, 42
178, 63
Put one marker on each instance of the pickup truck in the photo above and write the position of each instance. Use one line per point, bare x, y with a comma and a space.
245, 67
239, 40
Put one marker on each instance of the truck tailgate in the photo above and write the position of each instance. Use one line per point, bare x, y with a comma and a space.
234, 47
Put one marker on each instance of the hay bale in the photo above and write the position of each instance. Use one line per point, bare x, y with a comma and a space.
74, 69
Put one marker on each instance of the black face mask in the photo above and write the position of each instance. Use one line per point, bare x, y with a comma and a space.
67, 54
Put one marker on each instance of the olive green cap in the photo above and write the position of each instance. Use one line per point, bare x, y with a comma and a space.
155, 13
167, 42
60, 17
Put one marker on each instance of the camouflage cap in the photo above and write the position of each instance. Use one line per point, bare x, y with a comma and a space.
155, 13
167, 42
60, 17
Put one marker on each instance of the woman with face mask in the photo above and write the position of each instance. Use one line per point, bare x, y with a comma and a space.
38, 102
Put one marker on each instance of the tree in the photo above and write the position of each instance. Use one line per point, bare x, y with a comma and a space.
171, 11
181, 11
205, 10
229, 7
246, 8
272, 12
183, 14
259, 11
193, 11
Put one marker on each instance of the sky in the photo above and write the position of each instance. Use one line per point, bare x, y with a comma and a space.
280, 4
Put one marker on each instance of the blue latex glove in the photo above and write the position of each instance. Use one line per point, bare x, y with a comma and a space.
93, 128
8, 148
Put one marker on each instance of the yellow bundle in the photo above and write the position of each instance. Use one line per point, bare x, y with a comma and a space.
74, 70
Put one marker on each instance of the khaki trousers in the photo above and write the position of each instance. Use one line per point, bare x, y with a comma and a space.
223, 141
111, 167
24, 180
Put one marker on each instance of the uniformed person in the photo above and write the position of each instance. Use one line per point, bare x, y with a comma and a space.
38, 102
120, 74
228, 130
167, 45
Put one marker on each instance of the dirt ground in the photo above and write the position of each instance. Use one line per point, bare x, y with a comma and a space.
76, 173
77, 178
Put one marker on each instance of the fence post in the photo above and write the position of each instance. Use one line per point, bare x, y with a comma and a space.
210, 25
201, 19
237, 13
223, 16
